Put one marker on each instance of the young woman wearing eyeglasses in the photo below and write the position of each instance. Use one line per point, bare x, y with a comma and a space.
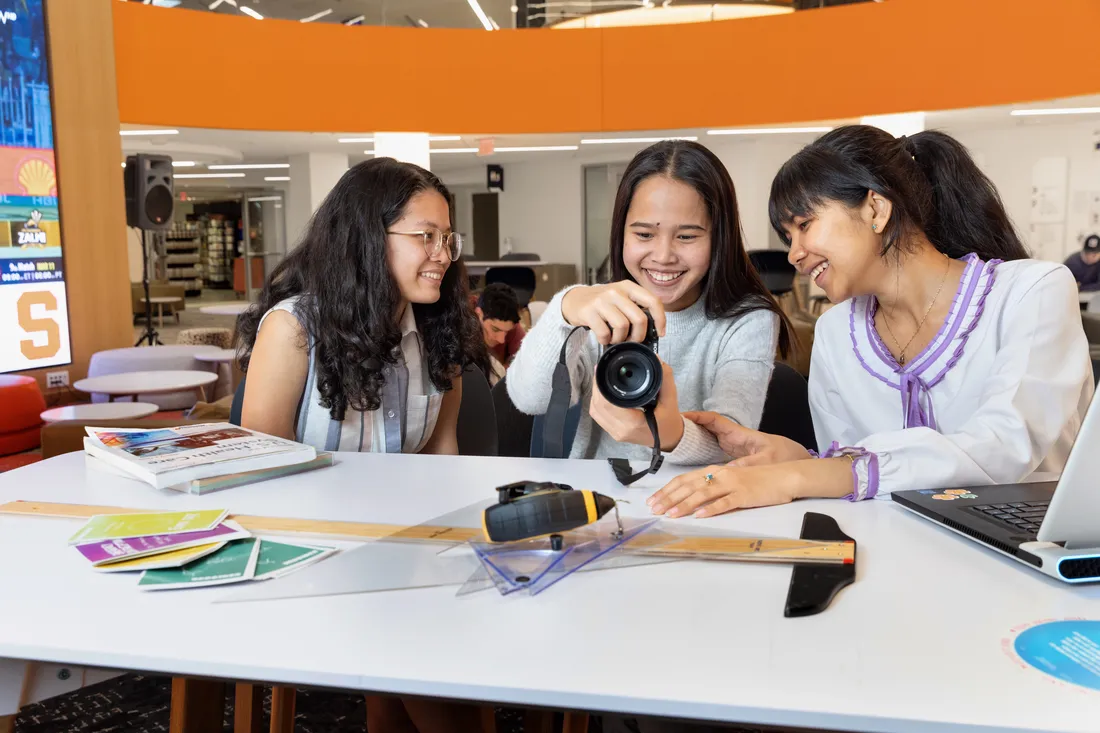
358, 342
360, 335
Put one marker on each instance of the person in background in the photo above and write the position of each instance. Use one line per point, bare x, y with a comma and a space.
676, 250
498, 309
953, 359
1085, 265
358, 342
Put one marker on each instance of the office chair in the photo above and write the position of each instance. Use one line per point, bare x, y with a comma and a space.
777, 273
520, 256
787, 407
513, 427
520, 279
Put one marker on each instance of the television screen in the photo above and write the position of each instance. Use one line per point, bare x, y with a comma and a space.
34, 323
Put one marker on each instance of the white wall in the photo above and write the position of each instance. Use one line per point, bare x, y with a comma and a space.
1008, 153
542, 207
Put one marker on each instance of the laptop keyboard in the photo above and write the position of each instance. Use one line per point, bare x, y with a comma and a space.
1022, 516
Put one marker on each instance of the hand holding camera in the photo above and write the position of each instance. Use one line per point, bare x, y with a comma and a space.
628, 425
615, 312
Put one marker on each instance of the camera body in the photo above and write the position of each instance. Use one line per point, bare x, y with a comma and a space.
629, 374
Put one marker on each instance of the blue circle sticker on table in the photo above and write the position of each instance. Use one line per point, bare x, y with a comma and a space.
1066, 650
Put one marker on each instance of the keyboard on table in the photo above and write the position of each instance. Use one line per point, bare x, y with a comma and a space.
1021, 516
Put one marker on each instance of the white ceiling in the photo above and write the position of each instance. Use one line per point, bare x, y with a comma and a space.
209, 146
437, 13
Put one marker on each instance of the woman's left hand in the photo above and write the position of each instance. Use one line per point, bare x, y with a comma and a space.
728, 488
628, 425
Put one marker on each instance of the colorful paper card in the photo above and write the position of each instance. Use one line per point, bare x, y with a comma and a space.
172, 559
123, 526
280, 558
113, 551
233, 563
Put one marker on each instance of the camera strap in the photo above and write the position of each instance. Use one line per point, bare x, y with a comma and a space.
554, 421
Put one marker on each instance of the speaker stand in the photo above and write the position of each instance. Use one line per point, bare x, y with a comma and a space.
149, 334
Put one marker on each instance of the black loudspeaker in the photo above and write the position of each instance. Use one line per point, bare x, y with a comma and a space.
149, 192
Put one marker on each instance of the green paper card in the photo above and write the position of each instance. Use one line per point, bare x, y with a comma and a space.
231, 564
280, 558
123, 526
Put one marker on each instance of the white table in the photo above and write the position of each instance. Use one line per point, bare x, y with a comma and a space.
225, 309
218, 357
131, 384
914, 645
160, 302
100, 411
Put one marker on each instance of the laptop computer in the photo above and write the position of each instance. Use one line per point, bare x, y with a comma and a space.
1053, 527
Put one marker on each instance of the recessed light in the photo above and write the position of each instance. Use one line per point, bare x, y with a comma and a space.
183, 164
250, 12
248, 166
276, 178
768, 131
316, 16
125, 133
208, 175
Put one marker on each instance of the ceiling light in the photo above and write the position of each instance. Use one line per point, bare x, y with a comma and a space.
422, 23
265, 198
628, 140
316, 16
1055, 111
453, 150
491, 22
276, 178
216, 3
535, 149
768, 131
248, 166
356, 20
481, 16
208, 175
250, 12
514, 9
183, 164
148, 132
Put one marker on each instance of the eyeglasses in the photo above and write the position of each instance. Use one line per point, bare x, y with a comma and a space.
434, 240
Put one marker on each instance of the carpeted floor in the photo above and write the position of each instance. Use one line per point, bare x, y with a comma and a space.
137, 704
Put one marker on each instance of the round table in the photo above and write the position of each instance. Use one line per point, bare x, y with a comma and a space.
100, 411
131, 384
160, 302
225, 309
219, 357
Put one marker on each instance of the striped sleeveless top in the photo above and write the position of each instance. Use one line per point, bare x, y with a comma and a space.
402, 424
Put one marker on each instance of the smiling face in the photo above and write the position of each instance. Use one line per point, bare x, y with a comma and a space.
666, 244
417, 275
838, 249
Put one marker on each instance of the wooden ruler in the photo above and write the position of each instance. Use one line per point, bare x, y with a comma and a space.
749, 549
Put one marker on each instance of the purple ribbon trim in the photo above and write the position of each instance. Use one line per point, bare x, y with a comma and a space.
857, 453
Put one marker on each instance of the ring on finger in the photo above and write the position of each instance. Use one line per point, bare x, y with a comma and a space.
708, 478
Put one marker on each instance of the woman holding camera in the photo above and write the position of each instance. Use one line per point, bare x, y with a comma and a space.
676, 252
953, 359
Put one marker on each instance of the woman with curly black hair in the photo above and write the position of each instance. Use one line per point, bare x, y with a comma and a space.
360, 336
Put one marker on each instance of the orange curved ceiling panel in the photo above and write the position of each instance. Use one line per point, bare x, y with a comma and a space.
199, 69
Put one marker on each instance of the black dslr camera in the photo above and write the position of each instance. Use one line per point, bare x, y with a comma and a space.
629, 374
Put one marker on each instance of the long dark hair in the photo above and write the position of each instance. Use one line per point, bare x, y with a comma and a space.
731, 286
930, 179
349, 297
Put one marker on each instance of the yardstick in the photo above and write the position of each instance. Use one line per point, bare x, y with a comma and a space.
714, 547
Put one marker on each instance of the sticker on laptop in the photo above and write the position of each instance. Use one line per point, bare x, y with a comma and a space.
1066, 651
949, 494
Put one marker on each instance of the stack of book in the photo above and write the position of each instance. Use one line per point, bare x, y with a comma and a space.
187, 549
200, 458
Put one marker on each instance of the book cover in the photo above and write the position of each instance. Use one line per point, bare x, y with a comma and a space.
171, 559
115, 550
280, 558
231, 564
123, 526
167, 456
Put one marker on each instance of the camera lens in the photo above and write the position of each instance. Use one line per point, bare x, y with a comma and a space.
629, 375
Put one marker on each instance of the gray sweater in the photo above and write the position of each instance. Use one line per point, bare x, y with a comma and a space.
723, 365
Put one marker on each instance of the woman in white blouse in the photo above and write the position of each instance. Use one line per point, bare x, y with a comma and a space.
951, 358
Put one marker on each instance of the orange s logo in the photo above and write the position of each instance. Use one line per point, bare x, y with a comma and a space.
38, 325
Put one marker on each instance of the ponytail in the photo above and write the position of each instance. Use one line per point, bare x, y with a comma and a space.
930, 179
967, 213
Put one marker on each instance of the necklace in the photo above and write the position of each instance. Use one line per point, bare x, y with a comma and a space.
901, 349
